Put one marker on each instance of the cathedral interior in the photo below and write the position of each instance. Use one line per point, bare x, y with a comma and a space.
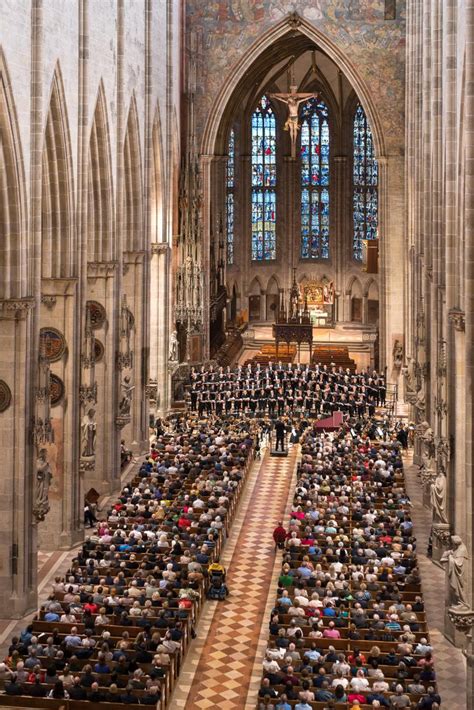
215, 218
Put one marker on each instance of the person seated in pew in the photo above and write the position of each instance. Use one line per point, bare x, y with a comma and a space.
129, 697
13, 687
323, 694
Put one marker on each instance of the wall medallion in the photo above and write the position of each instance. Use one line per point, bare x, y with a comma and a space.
56, 389
97, 314
98, 350
53, 342
5, 396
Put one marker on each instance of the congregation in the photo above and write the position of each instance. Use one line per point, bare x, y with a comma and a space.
115, 629
348, 625
280, 389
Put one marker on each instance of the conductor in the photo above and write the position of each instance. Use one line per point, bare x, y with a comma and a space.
280, 435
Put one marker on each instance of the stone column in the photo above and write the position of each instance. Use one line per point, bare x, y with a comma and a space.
135, 288
159, 383
63, 525
18, 534
341, 247
105, 474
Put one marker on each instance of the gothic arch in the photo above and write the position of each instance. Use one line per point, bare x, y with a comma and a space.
13, 246
354, 284
133, 238
156, 181
273, 284
57, 233
255, 288
263, 44
100, 213
371, 289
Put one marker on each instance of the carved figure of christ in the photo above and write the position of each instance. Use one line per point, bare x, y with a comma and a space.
293, 100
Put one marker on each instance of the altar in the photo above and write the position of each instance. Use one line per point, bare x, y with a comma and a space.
318, 299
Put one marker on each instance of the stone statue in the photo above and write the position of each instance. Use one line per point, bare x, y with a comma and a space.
88, 434
43, 481
419, 402
397, 354
438, 498
410, 376
126, 401
456, 570
293, 100
173, 356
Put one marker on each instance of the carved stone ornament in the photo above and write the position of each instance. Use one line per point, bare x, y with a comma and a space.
5, 396
88, 393
159, 248
86, 464
122, 420
125, 360
53, 343
48, 301
294, 20
442, 533
458, 318
98, 350
151, 391
18, 307
56, 389
462, 619
98, 314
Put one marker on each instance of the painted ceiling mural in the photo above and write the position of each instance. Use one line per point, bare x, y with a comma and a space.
376, 46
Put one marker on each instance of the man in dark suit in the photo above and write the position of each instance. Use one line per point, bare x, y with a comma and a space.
280, 435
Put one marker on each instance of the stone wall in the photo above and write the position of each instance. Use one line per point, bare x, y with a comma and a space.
90, 118
440, 313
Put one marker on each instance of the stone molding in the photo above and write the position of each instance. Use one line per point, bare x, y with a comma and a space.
101, 269
17, 307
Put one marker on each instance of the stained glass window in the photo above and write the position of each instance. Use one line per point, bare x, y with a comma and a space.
263, 182
314, 180
365, 183
230, 182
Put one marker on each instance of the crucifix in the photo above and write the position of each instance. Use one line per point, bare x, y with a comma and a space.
293, 99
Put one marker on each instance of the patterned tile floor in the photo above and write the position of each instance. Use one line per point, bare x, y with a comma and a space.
219, 668
450, 663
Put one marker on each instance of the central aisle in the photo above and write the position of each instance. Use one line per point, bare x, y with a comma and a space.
221, 673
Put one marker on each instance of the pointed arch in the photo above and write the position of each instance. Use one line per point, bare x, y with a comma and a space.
243, 68
133, 239
354, 286
13, 247
57, 251
314, 178
100, 209
273, 284
255, 288
156, 181
372, 290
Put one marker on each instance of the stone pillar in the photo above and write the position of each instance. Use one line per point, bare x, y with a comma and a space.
63, 525
18, 534
135, 289
159, 328
105, 474
341, 247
